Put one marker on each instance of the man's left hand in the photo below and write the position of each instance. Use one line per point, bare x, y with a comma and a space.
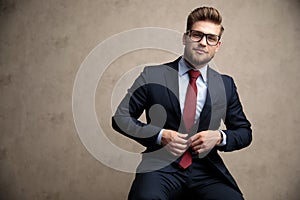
205, 141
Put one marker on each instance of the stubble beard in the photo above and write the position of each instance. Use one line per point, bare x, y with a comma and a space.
197, 60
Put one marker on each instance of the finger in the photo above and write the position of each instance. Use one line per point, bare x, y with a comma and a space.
196, 142
177, 152
196, 148
201, 146
191, 139
202, 154
182, 147
178, 146
183, 136
181, 141
202, 150
195, 137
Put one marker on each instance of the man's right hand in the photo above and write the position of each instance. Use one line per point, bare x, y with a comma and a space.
176, 143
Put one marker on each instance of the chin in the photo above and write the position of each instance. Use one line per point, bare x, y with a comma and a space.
197, 60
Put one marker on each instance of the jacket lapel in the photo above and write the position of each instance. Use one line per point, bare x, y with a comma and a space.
215, 105
171, 78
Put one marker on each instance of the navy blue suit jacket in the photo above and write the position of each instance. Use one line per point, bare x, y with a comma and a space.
156, 92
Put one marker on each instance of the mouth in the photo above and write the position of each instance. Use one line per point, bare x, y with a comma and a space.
199, 51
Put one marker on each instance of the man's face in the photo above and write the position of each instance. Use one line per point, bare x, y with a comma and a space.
200, 53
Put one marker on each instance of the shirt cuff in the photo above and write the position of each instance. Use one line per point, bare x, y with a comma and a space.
223, 142
158, 140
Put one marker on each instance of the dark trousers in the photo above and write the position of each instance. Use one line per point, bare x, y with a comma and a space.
196, 182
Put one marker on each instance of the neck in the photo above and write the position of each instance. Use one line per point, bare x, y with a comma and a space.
192, 65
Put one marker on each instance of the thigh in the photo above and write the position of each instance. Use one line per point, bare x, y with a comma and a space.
154, 185
217, 191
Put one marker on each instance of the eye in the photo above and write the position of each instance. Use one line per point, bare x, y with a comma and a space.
212, 38
196, 34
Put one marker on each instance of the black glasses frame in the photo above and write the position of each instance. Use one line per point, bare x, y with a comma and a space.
207, 36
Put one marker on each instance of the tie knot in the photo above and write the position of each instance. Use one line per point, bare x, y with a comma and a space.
194, 74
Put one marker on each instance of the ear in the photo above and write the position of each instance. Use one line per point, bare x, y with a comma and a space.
218, 46
184, 39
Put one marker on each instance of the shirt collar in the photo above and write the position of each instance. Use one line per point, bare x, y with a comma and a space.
184, 67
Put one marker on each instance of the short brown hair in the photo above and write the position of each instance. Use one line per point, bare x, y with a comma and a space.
204, 14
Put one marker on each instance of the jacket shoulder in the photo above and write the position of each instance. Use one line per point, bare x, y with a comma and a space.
165, 66
161, 70
225, 77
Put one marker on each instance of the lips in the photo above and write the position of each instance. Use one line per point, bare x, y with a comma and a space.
200, 51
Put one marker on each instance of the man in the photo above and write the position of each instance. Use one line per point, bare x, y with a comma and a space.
184, 102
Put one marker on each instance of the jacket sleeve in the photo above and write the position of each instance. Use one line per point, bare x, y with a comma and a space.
238, 133
125, 119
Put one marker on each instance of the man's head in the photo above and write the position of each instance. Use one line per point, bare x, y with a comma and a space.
202, 37
205, 14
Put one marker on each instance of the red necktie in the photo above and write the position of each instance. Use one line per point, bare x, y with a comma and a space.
189, 113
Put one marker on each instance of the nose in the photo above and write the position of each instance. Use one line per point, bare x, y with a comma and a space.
203, 41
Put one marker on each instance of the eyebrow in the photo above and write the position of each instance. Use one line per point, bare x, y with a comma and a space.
205, 33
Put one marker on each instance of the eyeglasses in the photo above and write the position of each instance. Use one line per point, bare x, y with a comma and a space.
196, 36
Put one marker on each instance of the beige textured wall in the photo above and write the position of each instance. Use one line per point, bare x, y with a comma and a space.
43, 43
